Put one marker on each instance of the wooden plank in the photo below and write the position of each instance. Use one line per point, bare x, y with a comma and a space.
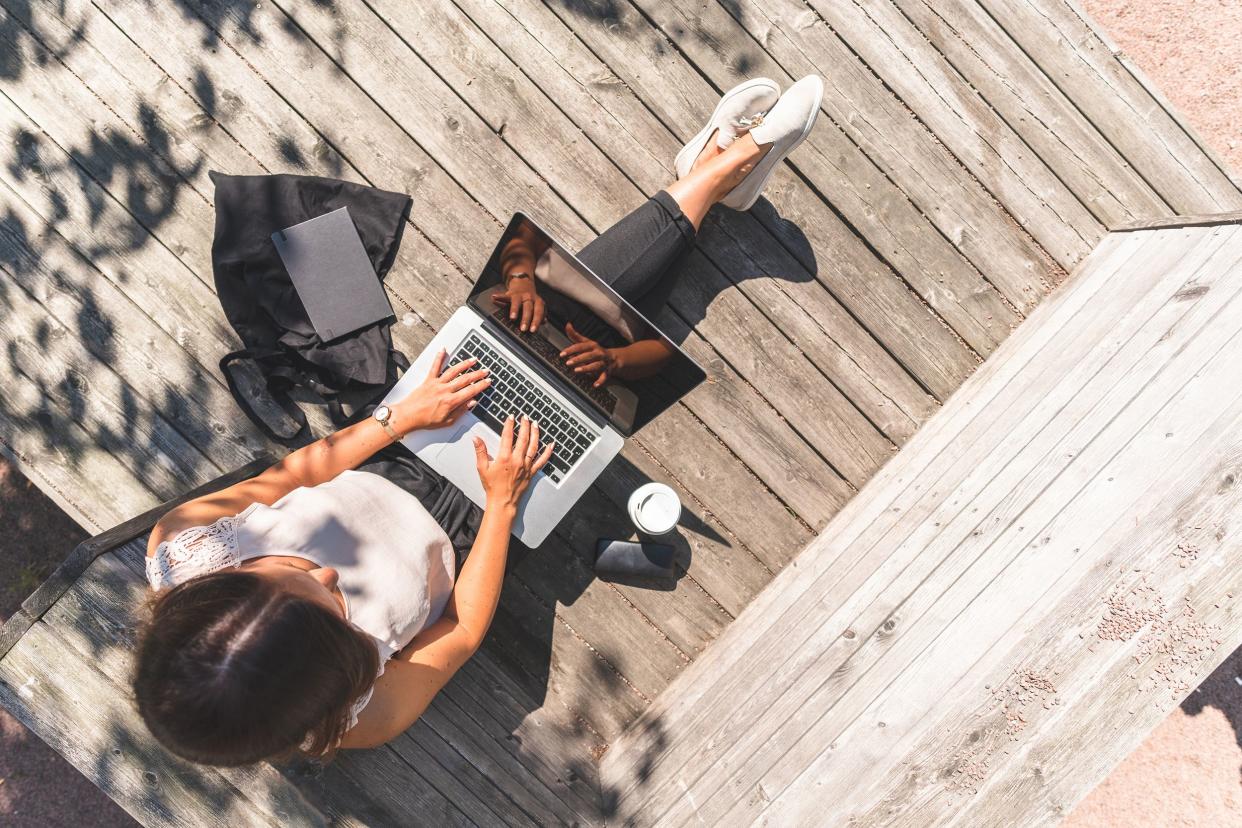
1177, 415
1035, 108
1182, 221
74, 707
43, 264
885, 610
910, 113
70, 383
456, 779
396, 787
554, 745
562, 669
620, 764
1109, 94
896, 563
472, 773
1076, 641
680, 97
1170, 360
870, 518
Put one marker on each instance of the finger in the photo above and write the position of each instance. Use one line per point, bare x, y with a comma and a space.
539, 308
437, 363
533, 448
590, 367
572, 333
523, 438
514, 308
458, 369
460, 380
501, 296
481, 458
469, 392
591, 355
543, 458
528, 314
506, 438
601, 379
577, 348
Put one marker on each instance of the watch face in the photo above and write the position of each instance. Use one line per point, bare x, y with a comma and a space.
381, 413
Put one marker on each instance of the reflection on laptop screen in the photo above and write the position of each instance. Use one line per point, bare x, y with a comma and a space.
590, 338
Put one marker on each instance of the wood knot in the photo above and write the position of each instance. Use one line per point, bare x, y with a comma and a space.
849, 634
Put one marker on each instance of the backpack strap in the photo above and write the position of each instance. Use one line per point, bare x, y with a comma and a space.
282, 374
278, 387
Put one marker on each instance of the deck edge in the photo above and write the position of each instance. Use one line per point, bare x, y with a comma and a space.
1173, 222
85, 553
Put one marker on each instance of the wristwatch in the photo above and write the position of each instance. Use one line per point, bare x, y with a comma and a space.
382, 415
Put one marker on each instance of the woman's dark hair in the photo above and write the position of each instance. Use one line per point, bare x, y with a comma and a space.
232, 669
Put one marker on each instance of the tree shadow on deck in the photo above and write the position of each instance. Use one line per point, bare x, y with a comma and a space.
115, 193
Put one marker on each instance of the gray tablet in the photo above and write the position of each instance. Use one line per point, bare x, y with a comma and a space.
332, 274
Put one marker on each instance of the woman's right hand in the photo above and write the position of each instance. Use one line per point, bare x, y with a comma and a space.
507, 476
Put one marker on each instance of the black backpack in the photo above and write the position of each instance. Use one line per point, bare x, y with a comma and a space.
350, 372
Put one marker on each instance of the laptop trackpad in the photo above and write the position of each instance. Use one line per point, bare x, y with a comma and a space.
455, 458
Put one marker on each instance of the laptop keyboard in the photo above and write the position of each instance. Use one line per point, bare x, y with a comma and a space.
552, 357
512, 392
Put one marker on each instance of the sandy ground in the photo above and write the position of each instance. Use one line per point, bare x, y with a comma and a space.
1187, 773
1192, 51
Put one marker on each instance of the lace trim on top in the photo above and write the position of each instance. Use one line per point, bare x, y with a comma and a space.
196, 550
199, 550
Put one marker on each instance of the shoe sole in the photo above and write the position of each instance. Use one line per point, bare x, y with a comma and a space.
806, 130
695, 146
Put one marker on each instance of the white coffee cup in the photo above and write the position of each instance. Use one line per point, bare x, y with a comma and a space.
655, 509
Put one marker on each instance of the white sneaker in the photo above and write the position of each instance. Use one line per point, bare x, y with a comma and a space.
739, 108
784, 127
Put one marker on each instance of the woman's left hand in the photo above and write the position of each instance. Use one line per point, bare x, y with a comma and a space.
443, 397
586, 356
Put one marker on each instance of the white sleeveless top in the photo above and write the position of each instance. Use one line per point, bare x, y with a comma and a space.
396, 564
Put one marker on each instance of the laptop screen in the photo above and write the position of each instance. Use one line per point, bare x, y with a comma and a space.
611, 356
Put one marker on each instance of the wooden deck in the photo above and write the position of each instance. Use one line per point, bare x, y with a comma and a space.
1046, 571
969, 156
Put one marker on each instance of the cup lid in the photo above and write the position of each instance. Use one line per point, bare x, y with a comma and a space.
657, 508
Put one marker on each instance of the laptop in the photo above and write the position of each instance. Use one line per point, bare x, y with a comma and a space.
588, 417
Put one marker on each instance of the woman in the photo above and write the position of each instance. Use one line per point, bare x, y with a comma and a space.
324, 603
